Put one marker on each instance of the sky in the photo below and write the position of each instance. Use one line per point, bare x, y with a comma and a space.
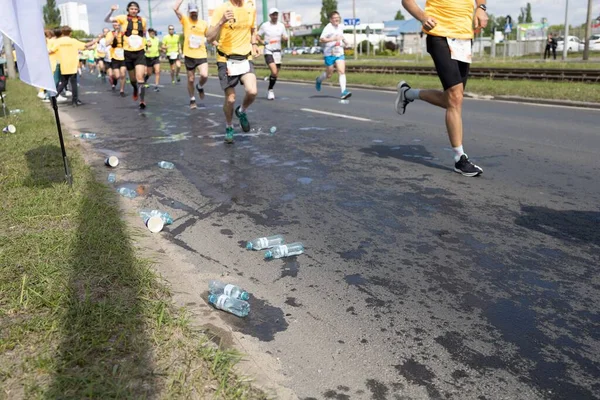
366, 10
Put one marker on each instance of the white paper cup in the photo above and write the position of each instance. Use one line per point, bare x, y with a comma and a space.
9, 129
155, 224
111, 161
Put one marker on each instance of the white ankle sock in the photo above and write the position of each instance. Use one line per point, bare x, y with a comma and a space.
193, 98
242, 109
412, 94
458, 152
343, 82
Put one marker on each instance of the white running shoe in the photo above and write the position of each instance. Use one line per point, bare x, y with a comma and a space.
61, 99
41, 95
68, 93
270, 95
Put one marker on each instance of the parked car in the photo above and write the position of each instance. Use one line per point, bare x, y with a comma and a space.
288, 50
574, 44
316, 50
298, 50
595, 42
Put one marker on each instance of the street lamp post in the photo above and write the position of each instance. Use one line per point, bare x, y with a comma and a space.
588, 31
566, 35
150, 13
354, 27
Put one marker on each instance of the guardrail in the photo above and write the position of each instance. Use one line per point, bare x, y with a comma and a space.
540, 74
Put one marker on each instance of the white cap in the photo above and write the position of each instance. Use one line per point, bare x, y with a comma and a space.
273, 10
192, 7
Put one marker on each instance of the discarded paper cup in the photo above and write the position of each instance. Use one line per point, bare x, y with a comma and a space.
9, 129
111, 161
154, 224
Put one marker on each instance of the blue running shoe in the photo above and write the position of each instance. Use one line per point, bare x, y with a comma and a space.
318, 85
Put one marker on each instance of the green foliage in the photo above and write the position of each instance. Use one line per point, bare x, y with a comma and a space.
51, 14
79, 34
328, 7
525, 15
399, 16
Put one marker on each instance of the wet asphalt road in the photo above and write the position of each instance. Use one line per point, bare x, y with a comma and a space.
416, 282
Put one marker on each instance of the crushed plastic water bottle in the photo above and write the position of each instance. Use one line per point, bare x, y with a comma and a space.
166, 218
16, 111
166, 165
112, 178
273, 130
223, 302
285, 250
265, 242
218, 288
87, 135
126, 192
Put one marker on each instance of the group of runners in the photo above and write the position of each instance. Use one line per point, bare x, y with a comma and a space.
132, 49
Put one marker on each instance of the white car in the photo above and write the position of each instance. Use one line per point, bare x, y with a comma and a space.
595, 42
574, 44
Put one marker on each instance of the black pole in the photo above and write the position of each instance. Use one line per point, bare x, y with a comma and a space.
68, 176
3, 104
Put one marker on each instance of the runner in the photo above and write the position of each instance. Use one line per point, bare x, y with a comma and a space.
91, 62
194, 49
115, 40
134, 30
449, 28
153, 59
172, 47
234, 23
67, 55
333, 37
271, 34
101, 50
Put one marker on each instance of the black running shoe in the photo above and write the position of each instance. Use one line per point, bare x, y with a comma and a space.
142, 105
401, 100
243, 119
466, 167
77, 103
122, 94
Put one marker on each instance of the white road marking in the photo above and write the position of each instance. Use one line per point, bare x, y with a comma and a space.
336, 115
212, 122
214, 95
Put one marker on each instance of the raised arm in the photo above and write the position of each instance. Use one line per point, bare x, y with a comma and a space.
109, 17
413, 9
176, 9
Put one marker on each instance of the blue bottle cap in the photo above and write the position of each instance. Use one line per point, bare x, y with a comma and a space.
268, 254
245, 296
249, 246
212, 298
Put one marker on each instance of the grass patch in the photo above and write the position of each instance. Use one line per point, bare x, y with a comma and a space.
81, 315
534, 89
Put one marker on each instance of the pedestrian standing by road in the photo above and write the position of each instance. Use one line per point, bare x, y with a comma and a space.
68, 57
333, 38
194, 49
234, 24
171, 45
271, 34
152, 59
550, 46
449, 28
134, 31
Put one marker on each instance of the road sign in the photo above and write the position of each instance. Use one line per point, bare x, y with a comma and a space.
351, 21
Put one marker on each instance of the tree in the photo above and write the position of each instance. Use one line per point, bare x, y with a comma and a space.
399, 16
328, 7
79, 35
525, 15
51, 14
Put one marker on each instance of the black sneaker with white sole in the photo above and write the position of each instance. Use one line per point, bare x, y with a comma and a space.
465, 167
401, 100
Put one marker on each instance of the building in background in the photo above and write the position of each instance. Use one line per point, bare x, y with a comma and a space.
75, 15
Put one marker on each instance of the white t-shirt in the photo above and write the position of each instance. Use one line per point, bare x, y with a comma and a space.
272, 35
333, 48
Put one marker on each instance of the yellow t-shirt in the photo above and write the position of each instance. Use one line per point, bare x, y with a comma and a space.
52, 52
136, 41
194, 33
68, 54
236, 37
116, 53
454, 18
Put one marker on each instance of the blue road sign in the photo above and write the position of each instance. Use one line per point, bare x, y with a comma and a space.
351, 21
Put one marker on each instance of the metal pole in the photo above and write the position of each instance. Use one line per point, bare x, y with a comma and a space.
149, 13
265, 11
588, 29
565, 41
68, 175
354, 27
10, 61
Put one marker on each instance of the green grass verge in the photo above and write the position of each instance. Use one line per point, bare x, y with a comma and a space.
81, 315
533, 89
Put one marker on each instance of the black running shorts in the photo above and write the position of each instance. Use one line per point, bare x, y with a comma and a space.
270, 60
173, 60
134, 58
117, 64
152, 61
230, 81
192, 63
451, 72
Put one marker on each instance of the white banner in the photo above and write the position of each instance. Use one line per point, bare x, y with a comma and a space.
23, 23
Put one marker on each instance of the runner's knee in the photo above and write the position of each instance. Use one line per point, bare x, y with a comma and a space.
454, 96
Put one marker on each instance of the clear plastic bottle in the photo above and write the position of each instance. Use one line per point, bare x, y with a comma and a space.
112, 177
167, 219
223, 302
265, 242
285, 250
126, 192
86, 136
218, 288
273, 130
166, 165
